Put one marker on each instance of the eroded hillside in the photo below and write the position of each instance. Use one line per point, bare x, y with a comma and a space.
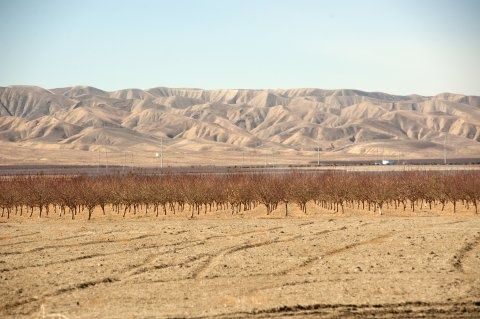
344, 121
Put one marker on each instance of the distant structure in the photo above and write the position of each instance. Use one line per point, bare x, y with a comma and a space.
160, 154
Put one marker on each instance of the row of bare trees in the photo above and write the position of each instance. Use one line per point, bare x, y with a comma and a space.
236, 192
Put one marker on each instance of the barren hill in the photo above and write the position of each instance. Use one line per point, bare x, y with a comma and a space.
341, 122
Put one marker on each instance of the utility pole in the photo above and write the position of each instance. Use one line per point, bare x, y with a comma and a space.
106, 161
318, 152
124, 161
161, 152
445, 150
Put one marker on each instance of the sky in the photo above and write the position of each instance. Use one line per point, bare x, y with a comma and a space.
400, 47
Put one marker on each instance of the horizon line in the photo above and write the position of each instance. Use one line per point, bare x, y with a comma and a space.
239, 89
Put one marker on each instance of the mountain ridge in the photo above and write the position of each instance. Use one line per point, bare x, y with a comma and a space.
346, 121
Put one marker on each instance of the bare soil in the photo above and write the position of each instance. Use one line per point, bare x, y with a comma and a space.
400, 265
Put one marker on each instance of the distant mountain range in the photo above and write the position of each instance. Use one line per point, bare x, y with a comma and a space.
344, 121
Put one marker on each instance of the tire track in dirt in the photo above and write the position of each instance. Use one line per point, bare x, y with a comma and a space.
23, 235
3, 223
78, 286
326, 231
375, 240
18, 243
149, 263
414, 309
136, 249
107, 254
17, 236
152, 267
52, 263
274, 273
141, 268
306, 224
256, 231
214, 258
126, 240
93, 242
147, 266
121, 240
295, 283
455, 222
83, 285
458, 258
196, 243
311, 260
49, 239
233, 249
73, 237
211, 261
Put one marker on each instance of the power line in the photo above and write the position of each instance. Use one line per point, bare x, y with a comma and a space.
106, 161
124, 161
318, 152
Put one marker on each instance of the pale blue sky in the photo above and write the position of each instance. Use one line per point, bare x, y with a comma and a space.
401, 47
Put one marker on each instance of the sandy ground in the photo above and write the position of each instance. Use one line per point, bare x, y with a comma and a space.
217, 265
15, 154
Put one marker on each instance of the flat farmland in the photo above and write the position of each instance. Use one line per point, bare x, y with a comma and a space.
218, 265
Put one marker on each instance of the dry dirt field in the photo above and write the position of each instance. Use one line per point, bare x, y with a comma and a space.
221, 266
